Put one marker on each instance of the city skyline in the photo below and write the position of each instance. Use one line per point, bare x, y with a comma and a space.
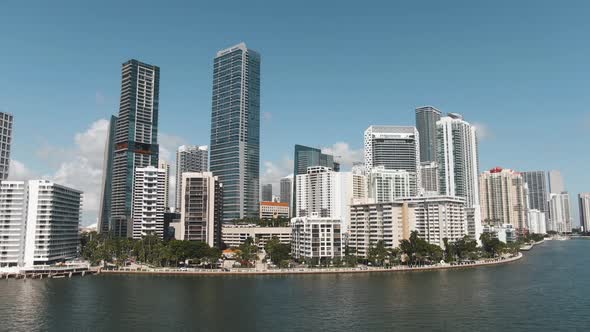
275, 120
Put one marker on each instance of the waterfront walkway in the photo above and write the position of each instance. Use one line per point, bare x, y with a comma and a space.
243, 271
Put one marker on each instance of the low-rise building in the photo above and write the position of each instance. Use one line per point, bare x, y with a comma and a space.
316, 238
274, 210
505, 233
235, 235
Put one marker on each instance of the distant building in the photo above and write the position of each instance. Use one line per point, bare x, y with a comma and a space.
149, 202
189, 158
236, 235
162, 164
235, 130
267, 192
171, 225
537, 184
6, 121
316, 238
41, 221
505, 233
430, 173
395, 148
201, 208
559, 210
304, 158
273, 210
556, 183
584, 203
537, 222
426, 118
385, 185
286, 185
503, 199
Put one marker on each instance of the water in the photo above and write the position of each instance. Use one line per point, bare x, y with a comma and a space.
547, 290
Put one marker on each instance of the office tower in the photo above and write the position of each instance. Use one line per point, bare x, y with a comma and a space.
370, 222
267, 193
235, 130
584, 203
429, 173
537, 184
304, 158
136, 138
503, 198
107, 179
385, 185
286, 185
189, 158
559, 211
556, 183
327, 194
201, 208
6, 121
537, 221
395, 148
316, 238
457, 159
149, 202
426, 118
162, 164
41, 221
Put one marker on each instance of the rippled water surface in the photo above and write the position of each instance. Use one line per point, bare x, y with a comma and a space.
547, 290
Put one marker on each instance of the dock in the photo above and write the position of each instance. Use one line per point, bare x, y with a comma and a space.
44, 272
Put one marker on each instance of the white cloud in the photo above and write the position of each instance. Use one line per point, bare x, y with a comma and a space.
18, 171
483, 131
273, 171
344, 154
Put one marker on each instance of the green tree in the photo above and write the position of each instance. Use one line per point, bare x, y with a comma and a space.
378, 253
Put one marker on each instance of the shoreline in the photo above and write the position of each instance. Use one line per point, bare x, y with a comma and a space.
283, 272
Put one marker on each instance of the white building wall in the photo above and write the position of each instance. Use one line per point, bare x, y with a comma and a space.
149, 202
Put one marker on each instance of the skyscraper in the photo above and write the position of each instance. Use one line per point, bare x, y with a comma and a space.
149, 195
235, 130
458, 159
136, 138
189, 158
163, 164
286, 185
304, 158
395, 148
267, 192
537, 183
426, 118
430, 177
5, 143
560, 215
503, 198
584, 202
386, 185
104, 212
556, 184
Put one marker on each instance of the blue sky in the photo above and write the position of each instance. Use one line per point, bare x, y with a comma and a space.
329, 70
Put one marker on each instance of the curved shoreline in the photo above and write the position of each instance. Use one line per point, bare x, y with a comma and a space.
170, 272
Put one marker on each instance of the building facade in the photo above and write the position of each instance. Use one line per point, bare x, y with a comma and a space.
13, 219
503, 199
104, 212
149, 202
316, 238
386, 185
286, 187
426, 118
430, 178
536, 182
267, 193
274, 210
537, 221
560, 219
162, 164
556, 183
584, 205
235, 130
136, 138
189, 158
6, 122
201, 208
395, 148
235, 235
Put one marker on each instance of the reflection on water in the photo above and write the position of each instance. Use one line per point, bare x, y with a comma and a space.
545, 291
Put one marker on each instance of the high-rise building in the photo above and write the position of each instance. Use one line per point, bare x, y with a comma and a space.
584, 203
537, 221
104, 212
556, 183
385, 185
537, 185
41, 221
457, 159
306, 157
162, 164
429, 173
286, 185
267, 192
189, 158
316, 238
201, 208
560, 218
503, 199
395, 148
6, 121
235, 130
136, 138
149, 202
426, 118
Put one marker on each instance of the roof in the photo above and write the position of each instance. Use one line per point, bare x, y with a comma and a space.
274, 203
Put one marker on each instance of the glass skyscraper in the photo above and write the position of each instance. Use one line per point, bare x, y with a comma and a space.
426, 118
235, 130
537, 185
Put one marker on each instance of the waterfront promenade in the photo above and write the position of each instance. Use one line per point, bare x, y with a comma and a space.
289, 271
